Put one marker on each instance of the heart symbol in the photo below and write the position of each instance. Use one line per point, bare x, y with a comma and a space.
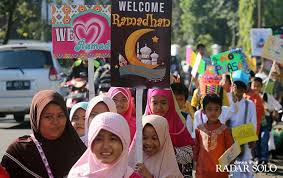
89, 33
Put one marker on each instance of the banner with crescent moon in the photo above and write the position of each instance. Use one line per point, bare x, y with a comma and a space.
141, 43
81, 31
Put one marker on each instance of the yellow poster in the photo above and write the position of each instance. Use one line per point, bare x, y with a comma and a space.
252, 63
229, 155
244, 133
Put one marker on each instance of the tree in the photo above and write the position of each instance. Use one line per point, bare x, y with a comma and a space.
21, 19
7, 15
246, 22
209, 22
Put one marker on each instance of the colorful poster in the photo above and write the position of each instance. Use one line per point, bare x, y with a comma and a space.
229, 61
244, 133
210, 82
258, 38
140, 50
273, 49
80, 31
229, 155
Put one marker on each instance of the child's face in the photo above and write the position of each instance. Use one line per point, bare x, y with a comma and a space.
238, 91
78, 121
159, 105
256, 86
121, 102
212, 111
97, 109
151, 144
181, 100
107, 147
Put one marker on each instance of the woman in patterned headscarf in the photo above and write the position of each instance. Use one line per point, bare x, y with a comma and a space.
53, 147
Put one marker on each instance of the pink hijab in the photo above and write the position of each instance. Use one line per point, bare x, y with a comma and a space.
129, 115
163, 164
180, 136
91, 104
88, 166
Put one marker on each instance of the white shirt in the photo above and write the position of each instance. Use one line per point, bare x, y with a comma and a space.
271, 105
189, 124
226, 113
238, 119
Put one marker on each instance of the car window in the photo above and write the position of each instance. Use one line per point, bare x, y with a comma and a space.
25, 59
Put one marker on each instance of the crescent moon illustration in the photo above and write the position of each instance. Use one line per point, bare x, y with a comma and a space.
130, 50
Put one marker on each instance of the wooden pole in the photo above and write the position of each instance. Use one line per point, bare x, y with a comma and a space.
91, 79
139, 152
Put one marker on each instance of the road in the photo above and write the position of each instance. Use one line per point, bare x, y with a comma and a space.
10, 130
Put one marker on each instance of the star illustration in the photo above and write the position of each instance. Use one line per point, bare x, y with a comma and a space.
116, 66
162, 63
155, 39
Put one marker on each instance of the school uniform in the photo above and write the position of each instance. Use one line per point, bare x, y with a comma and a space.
238, 119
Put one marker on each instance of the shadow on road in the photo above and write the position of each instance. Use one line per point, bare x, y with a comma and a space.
10, 123
22, 125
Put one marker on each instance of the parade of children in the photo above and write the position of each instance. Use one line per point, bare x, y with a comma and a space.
198, 113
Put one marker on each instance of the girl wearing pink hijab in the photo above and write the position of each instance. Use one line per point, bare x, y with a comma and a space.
107, 152
158, 152
161, 102
125, 106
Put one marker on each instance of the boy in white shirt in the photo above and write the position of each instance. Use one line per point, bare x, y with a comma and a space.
246, 114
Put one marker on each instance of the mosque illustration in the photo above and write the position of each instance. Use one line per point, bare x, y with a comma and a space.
145, 56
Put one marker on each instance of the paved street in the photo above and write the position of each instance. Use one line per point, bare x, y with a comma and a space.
10, 130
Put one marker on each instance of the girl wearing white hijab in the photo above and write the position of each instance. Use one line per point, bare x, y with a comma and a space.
107, 152
97, 105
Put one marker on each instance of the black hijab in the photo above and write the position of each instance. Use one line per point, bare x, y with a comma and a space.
61, 153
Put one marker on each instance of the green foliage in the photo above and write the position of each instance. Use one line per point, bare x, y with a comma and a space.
272, 13
246, 22
21, 19
209, 22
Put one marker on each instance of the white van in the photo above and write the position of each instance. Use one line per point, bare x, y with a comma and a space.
25, 69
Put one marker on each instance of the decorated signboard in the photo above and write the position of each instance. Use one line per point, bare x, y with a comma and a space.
80, 31
229, 61
244, 133
210, 82
140, 49
258, 38
273, 49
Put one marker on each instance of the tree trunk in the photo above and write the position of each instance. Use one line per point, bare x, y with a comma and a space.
10, 22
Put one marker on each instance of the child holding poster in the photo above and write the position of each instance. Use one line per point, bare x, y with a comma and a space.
246, 114
212, 140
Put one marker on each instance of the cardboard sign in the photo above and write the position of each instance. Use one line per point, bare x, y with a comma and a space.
229, 155
80, 31
258, 38
141, 43
229, 61
273, 49
244, 133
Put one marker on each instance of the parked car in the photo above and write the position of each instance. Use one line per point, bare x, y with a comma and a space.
25, 69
